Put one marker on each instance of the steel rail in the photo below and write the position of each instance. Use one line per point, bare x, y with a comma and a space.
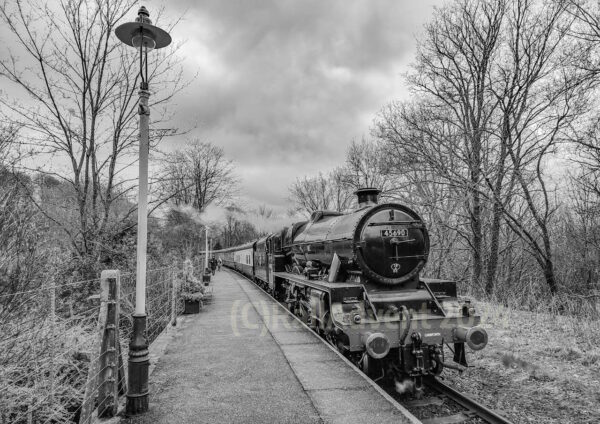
465, 401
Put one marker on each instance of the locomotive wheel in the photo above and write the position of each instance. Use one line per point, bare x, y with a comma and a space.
328, 333
279, 293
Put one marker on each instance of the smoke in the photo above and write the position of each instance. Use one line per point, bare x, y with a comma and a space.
270, 224
189, 211
214, 214
262, 218
210, 216
405, 386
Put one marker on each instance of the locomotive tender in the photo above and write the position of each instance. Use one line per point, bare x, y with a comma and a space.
355, 279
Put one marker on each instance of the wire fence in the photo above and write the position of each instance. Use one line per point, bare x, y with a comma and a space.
51, 347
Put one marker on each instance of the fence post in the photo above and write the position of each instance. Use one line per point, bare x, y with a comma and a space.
52, 337
185, 267
108, 392
174, 283
87, 407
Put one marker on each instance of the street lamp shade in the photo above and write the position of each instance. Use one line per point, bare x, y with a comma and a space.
143, 33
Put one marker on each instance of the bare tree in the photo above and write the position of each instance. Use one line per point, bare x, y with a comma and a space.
236, 230
23, 261
452, 71
415, 183
310, 193
340, 191
323, 192
501, 84
540, 93
182, 233
198, 175
10, 153
586, 138
80, 87
587, 145
578, 238
20, 237
366, 166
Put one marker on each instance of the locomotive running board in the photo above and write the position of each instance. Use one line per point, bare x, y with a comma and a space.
318, 284
321, 284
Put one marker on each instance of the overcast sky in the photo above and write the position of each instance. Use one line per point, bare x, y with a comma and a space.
285, 85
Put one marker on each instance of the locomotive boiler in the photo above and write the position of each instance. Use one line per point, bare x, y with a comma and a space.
355, 278
384, 244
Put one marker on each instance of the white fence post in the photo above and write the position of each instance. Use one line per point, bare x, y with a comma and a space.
52, 337
174, 283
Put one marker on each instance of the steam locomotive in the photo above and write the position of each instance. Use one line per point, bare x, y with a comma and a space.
355, 279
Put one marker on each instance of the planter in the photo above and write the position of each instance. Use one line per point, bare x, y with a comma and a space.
191, 307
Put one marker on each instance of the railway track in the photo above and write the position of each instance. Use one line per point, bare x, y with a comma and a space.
442, 404
473, 407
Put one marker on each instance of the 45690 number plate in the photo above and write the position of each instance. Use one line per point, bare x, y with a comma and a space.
394, 232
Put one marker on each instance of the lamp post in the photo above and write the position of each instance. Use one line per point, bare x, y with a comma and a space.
144, 36
206, 248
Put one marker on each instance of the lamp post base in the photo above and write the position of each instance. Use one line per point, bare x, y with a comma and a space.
137, 371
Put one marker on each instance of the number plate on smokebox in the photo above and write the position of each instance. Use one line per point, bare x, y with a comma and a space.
394, 232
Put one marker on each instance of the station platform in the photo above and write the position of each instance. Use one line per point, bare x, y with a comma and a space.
245, 359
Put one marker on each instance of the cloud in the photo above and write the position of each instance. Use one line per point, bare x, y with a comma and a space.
285, 85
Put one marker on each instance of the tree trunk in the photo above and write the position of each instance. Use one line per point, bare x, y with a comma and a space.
550, 276
494, 248
477, 240
496, 218
475, 168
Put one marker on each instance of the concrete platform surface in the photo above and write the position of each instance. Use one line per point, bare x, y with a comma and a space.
245, 359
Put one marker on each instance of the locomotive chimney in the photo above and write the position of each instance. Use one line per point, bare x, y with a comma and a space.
367, 196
